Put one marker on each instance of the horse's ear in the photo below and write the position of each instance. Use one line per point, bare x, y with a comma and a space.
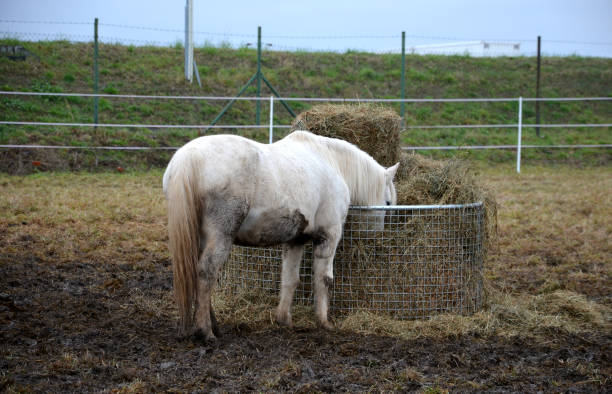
390, 172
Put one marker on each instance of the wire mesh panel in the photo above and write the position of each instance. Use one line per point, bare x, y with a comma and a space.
426, 260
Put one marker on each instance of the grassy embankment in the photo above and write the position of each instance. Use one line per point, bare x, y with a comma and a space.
67, 67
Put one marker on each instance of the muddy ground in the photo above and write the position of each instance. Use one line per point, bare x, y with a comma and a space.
87, 326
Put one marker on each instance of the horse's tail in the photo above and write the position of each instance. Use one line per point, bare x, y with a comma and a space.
184, 221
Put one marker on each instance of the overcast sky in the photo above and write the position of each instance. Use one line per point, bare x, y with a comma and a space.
566, 26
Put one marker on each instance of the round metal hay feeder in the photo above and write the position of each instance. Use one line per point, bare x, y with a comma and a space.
427, 260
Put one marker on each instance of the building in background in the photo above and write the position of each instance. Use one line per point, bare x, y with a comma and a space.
472, 48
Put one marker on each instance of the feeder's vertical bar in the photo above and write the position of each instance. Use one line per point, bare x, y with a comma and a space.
96, 70
520, 127
271, 119
403, 104
258, 104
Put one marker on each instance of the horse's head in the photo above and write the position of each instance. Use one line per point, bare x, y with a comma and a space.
390, 194
376, 218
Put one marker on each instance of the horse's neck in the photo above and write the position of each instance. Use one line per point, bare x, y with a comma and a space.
360, 172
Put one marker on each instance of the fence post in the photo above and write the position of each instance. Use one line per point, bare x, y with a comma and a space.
189, 41
271, 119
403, 104
96, 70
520, 127
537, 103
258, 104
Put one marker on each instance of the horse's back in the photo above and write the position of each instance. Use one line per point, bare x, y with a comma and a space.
286, 189
221, 160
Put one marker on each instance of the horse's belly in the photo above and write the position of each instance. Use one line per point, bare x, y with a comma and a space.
271, 227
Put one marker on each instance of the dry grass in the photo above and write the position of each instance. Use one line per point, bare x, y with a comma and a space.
104, 217
504, 314
555, 228
550, 272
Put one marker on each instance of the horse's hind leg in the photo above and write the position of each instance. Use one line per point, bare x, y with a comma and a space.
323, 270
323, 279
290, 278
216, 250
221, 222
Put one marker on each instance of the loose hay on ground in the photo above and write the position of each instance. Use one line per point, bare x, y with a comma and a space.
560, 312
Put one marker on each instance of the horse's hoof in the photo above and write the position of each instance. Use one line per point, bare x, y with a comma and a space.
215, 326
200, 336
326, 325
216, 331
284, 320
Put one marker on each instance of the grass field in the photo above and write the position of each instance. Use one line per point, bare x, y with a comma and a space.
86, 300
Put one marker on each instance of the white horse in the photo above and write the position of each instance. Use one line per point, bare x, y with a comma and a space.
226, 189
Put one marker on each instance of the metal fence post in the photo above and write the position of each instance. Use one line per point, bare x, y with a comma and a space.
403, 105
189, 41
537, 103
520, 127
271, 119
258, 104
256, 78
96, 70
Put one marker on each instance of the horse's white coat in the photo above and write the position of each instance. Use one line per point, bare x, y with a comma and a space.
297, 188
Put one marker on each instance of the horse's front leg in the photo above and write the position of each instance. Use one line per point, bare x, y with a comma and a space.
290, 278
323, 267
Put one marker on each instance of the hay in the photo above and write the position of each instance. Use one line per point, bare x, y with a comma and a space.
423, 263
423, 181
505, 315
373, 128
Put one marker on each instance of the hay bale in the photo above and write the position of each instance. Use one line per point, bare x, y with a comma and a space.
373, 128
423, 181
423, 263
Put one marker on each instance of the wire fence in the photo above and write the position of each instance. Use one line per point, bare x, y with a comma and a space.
111, 33
427, 260
272, 126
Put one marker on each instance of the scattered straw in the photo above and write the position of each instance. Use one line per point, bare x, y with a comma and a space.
563, 312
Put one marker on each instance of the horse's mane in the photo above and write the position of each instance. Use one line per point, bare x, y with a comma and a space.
362, 174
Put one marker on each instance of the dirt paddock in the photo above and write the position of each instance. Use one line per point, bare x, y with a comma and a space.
86, 303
